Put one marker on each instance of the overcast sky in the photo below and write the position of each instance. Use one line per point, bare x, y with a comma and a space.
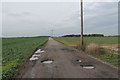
39, 18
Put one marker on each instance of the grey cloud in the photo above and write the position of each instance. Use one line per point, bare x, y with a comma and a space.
28, 19
19, 14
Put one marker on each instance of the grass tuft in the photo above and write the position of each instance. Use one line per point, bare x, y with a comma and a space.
93, 49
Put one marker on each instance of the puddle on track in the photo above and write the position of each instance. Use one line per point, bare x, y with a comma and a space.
79, 60
39, 51
35, 55
47, 61
33, 58
87, 66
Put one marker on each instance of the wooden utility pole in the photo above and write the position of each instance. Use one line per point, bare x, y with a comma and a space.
82, 23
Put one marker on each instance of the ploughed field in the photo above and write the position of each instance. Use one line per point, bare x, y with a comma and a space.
15, 51
104, 48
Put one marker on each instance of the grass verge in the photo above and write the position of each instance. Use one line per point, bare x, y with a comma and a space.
92, 47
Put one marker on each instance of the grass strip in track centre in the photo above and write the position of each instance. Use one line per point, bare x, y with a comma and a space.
104, 54
15, 51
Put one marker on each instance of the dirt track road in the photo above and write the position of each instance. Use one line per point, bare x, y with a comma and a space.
65, 64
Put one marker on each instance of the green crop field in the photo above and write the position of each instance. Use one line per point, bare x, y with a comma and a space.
15, 51
99, 40
104, 54
0, 58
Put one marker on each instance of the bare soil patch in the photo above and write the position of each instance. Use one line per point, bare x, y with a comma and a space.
113, 47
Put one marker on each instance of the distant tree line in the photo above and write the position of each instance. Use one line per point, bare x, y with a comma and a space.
85, 35
41, 36
114, 36
33, 37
